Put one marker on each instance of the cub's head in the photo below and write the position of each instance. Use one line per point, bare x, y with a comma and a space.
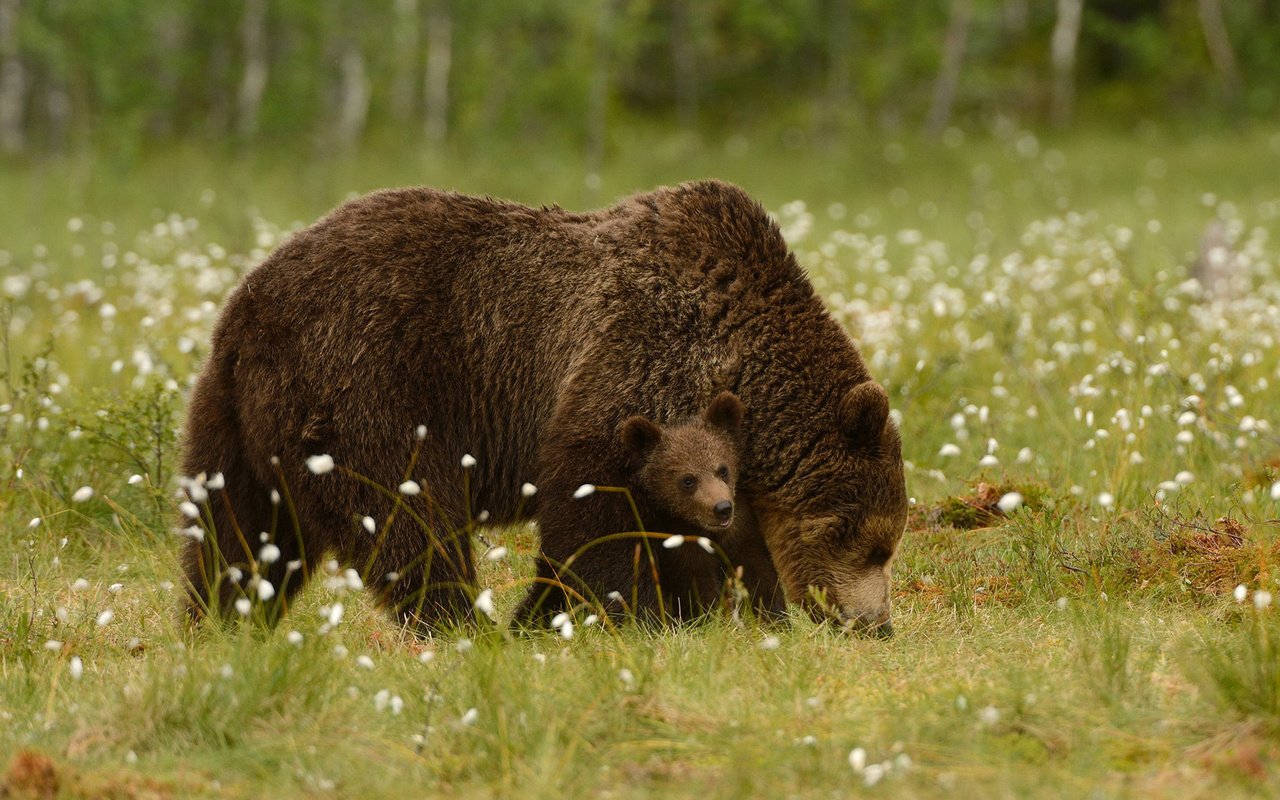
690, 468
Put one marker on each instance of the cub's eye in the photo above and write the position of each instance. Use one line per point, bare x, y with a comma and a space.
688, 482
723, 473
879, 557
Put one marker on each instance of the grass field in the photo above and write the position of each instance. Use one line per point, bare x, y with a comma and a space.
1094, 459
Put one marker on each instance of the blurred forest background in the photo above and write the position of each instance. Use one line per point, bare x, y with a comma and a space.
332, 74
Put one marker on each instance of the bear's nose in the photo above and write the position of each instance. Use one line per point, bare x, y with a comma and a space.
723, 509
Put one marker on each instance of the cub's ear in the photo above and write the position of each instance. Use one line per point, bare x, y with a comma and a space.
725, 412
863, 411
639, 435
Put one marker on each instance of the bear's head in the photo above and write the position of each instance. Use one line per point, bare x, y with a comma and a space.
690, 468
833, 524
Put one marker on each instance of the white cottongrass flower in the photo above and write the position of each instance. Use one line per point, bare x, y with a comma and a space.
420, 432
559, 619
105, 617
35, 521
269, 554
585, 490
364, 661
82, 494
989, 460
463, 645
566, 630
858, 759
468, 461
189, 509
397, 705
335, 614
1187, 418
1261, 599
369, 525
1106, 500
1185, 437
410, 488
352, 579
770, 643
53, 645
672, 542
135, 479
989, 715
496, 553
873, 773
948, 450
243, 606
320, 464
1010, 502
76, 667
591, 619
80, 585
427, 656
1185, 478
528, 490
1241, 593
627, 677
706, 544
1275, 491
294, 638
382, 698
115, 588
265, 590
1025, 456
215, 482
484, 603
470, 717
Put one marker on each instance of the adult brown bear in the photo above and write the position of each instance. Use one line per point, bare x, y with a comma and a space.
524, 337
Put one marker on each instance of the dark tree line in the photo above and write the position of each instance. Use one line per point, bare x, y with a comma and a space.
330, 72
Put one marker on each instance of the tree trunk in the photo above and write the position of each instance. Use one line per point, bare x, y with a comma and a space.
253, 83
684, 58
404, 81
439, 60
13, 80
839, 67
1066, 35
1219, 44
353, 94
598, 101
953, 47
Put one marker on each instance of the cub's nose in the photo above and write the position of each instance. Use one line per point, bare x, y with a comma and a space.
723, 510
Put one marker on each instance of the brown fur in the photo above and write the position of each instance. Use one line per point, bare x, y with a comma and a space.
525, 337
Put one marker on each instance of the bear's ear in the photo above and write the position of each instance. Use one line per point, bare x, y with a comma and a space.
864, 409
639, 435
725, 412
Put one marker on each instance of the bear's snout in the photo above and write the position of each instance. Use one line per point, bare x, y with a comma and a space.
724, 512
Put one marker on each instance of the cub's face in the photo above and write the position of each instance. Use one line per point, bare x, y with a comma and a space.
690, 468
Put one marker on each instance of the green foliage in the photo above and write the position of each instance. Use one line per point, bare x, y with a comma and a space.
124, 74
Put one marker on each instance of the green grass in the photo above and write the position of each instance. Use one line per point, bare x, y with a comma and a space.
1086, 642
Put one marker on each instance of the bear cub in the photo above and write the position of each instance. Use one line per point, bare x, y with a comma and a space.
688, 469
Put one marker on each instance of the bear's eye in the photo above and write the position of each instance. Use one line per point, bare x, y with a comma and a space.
879, 557
723, 473
688, 482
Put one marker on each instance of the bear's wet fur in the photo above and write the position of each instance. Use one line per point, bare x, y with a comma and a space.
525, 337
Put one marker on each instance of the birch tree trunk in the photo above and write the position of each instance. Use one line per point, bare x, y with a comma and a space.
353, 95
13, 80
439, 61
839, 67
1062, 51
684, 59
953, 47
253, 83
404, 81
598, 99
1220, 51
